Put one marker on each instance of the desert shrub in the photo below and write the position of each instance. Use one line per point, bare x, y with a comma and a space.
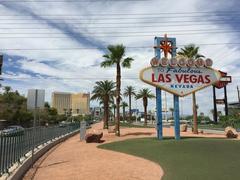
231, 120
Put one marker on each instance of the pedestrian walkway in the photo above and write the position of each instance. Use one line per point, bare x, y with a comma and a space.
76, 160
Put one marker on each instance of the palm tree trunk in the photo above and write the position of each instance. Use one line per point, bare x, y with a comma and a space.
123, 113
107, 114
195, 125
114, 113
145, 115
118, 89
130, 109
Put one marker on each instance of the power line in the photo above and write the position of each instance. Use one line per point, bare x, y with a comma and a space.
124, 36
66, 1
131, 14
128, 47
79, 78
123, 32
118, 27
112, 23
79, 17
71, 78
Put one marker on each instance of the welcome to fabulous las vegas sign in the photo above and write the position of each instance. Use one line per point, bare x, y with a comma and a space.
180, 76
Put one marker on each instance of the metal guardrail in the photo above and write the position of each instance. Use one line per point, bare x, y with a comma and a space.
17, 145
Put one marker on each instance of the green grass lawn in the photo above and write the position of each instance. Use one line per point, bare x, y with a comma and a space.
211, 126
187, 159
127, 124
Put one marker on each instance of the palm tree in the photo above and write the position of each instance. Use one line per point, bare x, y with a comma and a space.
124, 105
104, 91
116, 58
7, 89
145, 94
129, 91
191, 51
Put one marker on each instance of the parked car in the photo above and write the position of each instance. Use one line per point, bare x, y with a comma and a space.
64, 123
13, 130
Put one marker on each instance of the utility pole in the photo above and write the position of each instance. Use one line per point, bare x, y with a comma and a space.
238, 94
1, 63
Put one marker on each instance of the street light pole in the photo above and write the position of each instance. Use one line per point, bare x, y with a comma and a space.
34, 124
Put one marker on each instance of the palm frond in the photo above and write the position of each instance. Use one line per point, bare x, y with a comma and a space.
124, 104
107, 63
127, 62
145, 93
190, 51
129, 91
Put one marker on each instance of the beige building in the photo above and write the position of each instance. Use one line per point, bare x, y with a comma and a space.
71, 103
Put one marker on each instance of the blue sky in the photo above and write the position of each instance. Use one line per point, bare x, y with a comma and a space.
84, 28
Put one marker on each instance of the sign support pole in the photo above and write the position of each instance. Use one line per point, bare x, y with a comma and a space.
158, 95
176, 99
226, 100
176, 117
214, 105
159, 113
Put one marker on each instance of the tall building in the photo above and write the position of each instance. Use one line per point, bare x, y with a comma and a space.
80, 103
67, 103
